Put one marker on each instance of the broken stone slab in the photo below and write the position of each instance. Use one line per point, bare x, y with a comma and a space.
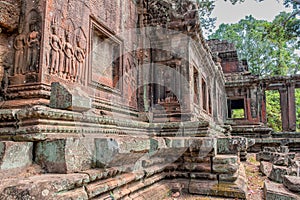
265, 168
277, 173
63, 98
15, 155
292, 183
43, 186
120, 151
276, 191
66, 155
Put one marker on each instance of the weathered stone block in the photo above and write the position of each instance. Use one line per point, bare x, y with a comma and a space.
231, 145
292, 183
196, 167
276, 191
63, 98
66, 155
203, 176
79, 194
265, 167
225, 164
43, 186
213, 188
225, 159
15, 155
228, 177
277, 173
281, 159
225, 169
264, 156
120, 151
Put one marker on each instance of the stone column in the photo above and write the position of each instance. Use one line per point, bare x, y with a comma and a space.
288, 107
284, 108
291, 106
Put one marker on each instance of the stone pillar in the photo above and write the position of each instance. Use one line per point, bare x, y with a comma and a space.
284, 109
291, 106
288, 108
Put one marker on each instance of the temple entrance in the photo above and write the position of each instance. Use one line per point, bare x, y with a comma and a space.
273, 110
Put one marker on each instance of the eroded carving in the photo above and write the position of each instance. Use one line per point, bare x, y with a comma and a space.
79, 55
33, 43
19, 45
55, 52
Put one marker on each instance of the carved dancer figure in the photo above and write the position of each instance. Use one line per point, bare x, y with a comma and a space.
69, 52
79, 65
19, 45
33, 48
56, 47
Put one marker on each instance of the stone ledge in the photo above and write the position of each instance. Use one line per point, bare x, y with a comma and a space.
275, 191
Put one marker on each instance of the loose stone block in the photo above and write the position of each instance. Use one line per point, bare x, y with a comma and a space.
66, 155
275, 191
63, 98
277, 173
265, 167
292, 183
15, 155
120, 151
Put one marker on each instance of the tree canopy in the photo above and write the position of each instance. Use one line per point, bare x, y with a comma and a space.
269, 47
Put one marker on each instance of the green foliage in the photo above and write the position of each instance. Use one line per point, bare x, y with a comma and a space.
238, 113
269, 47
273, 110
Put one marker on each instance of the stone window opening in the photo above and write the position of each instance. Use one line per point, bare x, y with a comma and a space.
236, 108
105, 58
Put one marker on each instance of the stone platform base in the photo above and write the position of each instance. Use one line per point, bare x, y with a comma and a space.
275, 191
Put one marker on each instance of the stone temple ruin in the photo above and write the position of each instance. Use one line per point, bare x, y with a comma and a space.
125, 99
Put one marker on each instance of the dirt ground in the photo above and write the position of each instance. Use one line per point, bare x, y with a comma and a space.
255, 181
